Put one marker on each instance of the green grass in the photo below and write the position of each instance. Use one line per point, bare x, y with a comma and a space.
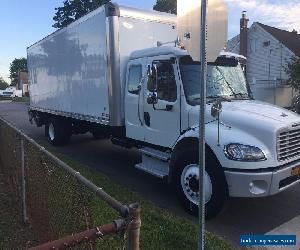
23, 99
160, 228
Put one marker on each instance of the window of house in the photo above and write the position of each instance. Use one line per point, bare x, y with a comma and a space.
166, 83
134, 79
253, 45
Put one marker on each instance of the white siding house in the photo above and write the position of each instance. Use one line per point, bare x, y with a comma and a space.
268, 50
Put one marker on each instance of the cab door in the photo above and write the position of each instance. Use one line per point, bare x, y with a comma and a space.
161, 111
134, 99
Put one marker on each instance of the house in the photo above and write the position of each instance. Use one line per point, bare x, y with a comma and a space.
267, 50
23, 82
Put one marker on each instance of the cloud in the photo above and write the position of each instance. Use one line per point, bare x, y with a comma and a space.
282, 14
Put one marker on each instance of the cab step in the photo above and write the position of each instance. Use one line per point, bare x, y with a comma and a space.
154, 162
160, 155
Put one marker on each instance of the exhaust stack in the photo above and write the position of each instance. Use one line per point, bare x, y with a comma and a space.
244, 34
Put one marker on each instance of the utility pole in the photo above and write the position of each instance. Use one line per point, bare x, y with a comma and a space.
202, 124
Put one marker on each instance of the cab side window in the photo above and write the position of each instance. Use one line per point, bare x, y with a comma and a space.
166, 87
134, 79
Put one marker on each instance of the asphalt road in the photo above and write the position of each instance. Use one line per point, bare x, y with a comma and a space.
240, 216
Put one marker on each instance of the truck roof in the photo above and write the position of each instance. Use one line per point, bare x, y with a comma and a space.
167, 50
230, 54
162, 50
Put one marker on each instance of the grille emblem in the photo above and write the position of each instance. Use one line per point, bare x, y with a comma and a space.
284, 115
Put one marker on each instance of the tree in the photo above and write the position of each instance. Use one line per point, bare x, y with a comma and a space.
169, 6
3, 84
73, 10
18, 65
293, 71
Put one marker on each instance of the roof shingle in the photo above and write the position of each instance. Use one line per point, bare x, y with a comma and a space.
289, 39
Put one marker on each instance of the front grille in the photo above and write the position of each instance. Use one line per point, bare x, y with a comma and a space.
288, 145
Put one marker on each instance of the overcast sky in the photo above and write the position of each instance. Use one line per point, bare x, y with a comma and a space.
24, 22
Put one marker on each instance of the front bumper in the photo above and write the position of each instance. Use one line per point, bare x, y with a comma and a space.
261, 183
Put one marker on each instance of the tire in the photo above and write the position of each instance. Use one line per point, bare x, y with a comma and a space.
58, 131
186, 183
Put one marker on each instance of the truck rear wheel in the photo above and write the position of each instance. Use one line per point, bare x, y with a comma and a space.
186, 181
58, 132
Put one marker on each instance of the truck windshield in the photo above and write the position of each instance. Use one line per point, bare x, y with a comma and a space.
226, 82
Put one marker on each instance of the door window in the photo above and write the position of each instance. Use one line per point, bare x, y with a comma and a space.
166, 87
134, 79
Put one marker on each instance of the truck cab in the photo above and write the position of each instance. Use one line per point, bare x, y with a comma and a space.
252, 147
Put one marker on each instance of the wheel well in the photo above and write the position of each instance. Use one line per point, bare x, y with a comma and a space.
184, 144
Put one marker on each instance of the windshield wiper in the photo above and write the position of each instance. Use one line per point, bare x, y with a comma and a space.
241, 95
221, 98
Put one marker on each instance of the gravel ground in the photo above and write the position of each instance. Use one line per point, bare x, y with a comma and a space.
13, 234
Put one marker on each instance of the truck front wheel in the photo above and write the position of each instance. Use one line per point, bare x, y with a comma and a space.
58, 132
187, 183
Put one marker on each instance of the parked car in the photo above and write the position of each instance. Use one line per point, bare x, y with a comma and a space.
8, 93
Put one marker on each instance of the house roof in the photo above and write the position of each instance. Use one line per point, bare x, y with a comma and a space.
289, 39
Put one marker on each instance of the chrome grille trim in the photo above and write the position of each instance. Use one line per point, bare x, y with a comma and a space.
288, 144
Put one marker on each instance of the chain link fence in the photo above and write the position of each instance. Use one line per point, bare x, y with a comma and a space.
56, 201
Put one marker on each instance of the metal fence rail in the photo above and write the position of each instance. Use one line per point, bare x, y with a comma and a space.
86, 236
58, 201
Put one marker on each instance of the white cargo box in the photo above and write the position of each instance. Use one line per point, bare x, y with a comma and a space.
80, 71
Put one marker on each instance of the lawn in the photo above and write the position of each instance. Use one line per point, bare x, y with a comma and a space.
160, 228
23, 99
59, 205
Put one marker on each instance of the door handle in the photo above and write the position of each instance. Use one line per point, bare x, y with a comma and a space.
147, 119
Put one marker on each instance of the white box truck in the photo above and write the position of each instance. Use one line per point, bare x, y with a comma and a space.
105, 74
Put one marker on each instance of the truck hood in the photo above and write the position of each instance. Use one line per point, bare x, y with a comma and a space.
249, 114
247, 122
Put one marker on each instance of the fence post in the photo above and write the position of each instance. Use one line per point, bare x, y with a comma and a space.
134, 227
24, 209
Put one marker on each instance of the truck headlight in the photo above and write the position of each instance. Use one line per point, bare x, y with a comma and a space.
240, 152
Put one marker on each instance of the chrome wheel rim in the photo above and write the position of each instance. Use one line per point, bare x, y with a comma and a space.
51, 132
190, 184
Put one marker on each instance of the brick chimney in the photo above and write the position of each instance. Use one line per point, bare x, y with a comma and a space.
244, 34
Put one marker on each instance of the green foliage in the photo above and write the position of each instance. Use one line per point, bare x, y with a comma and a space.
18, 65
160, 228
24, 99
3, 84
73, 10
293, 70
169, 6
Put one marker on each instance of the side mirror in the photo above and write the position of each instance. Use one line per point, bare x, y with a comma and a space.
152, 98
216, 109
